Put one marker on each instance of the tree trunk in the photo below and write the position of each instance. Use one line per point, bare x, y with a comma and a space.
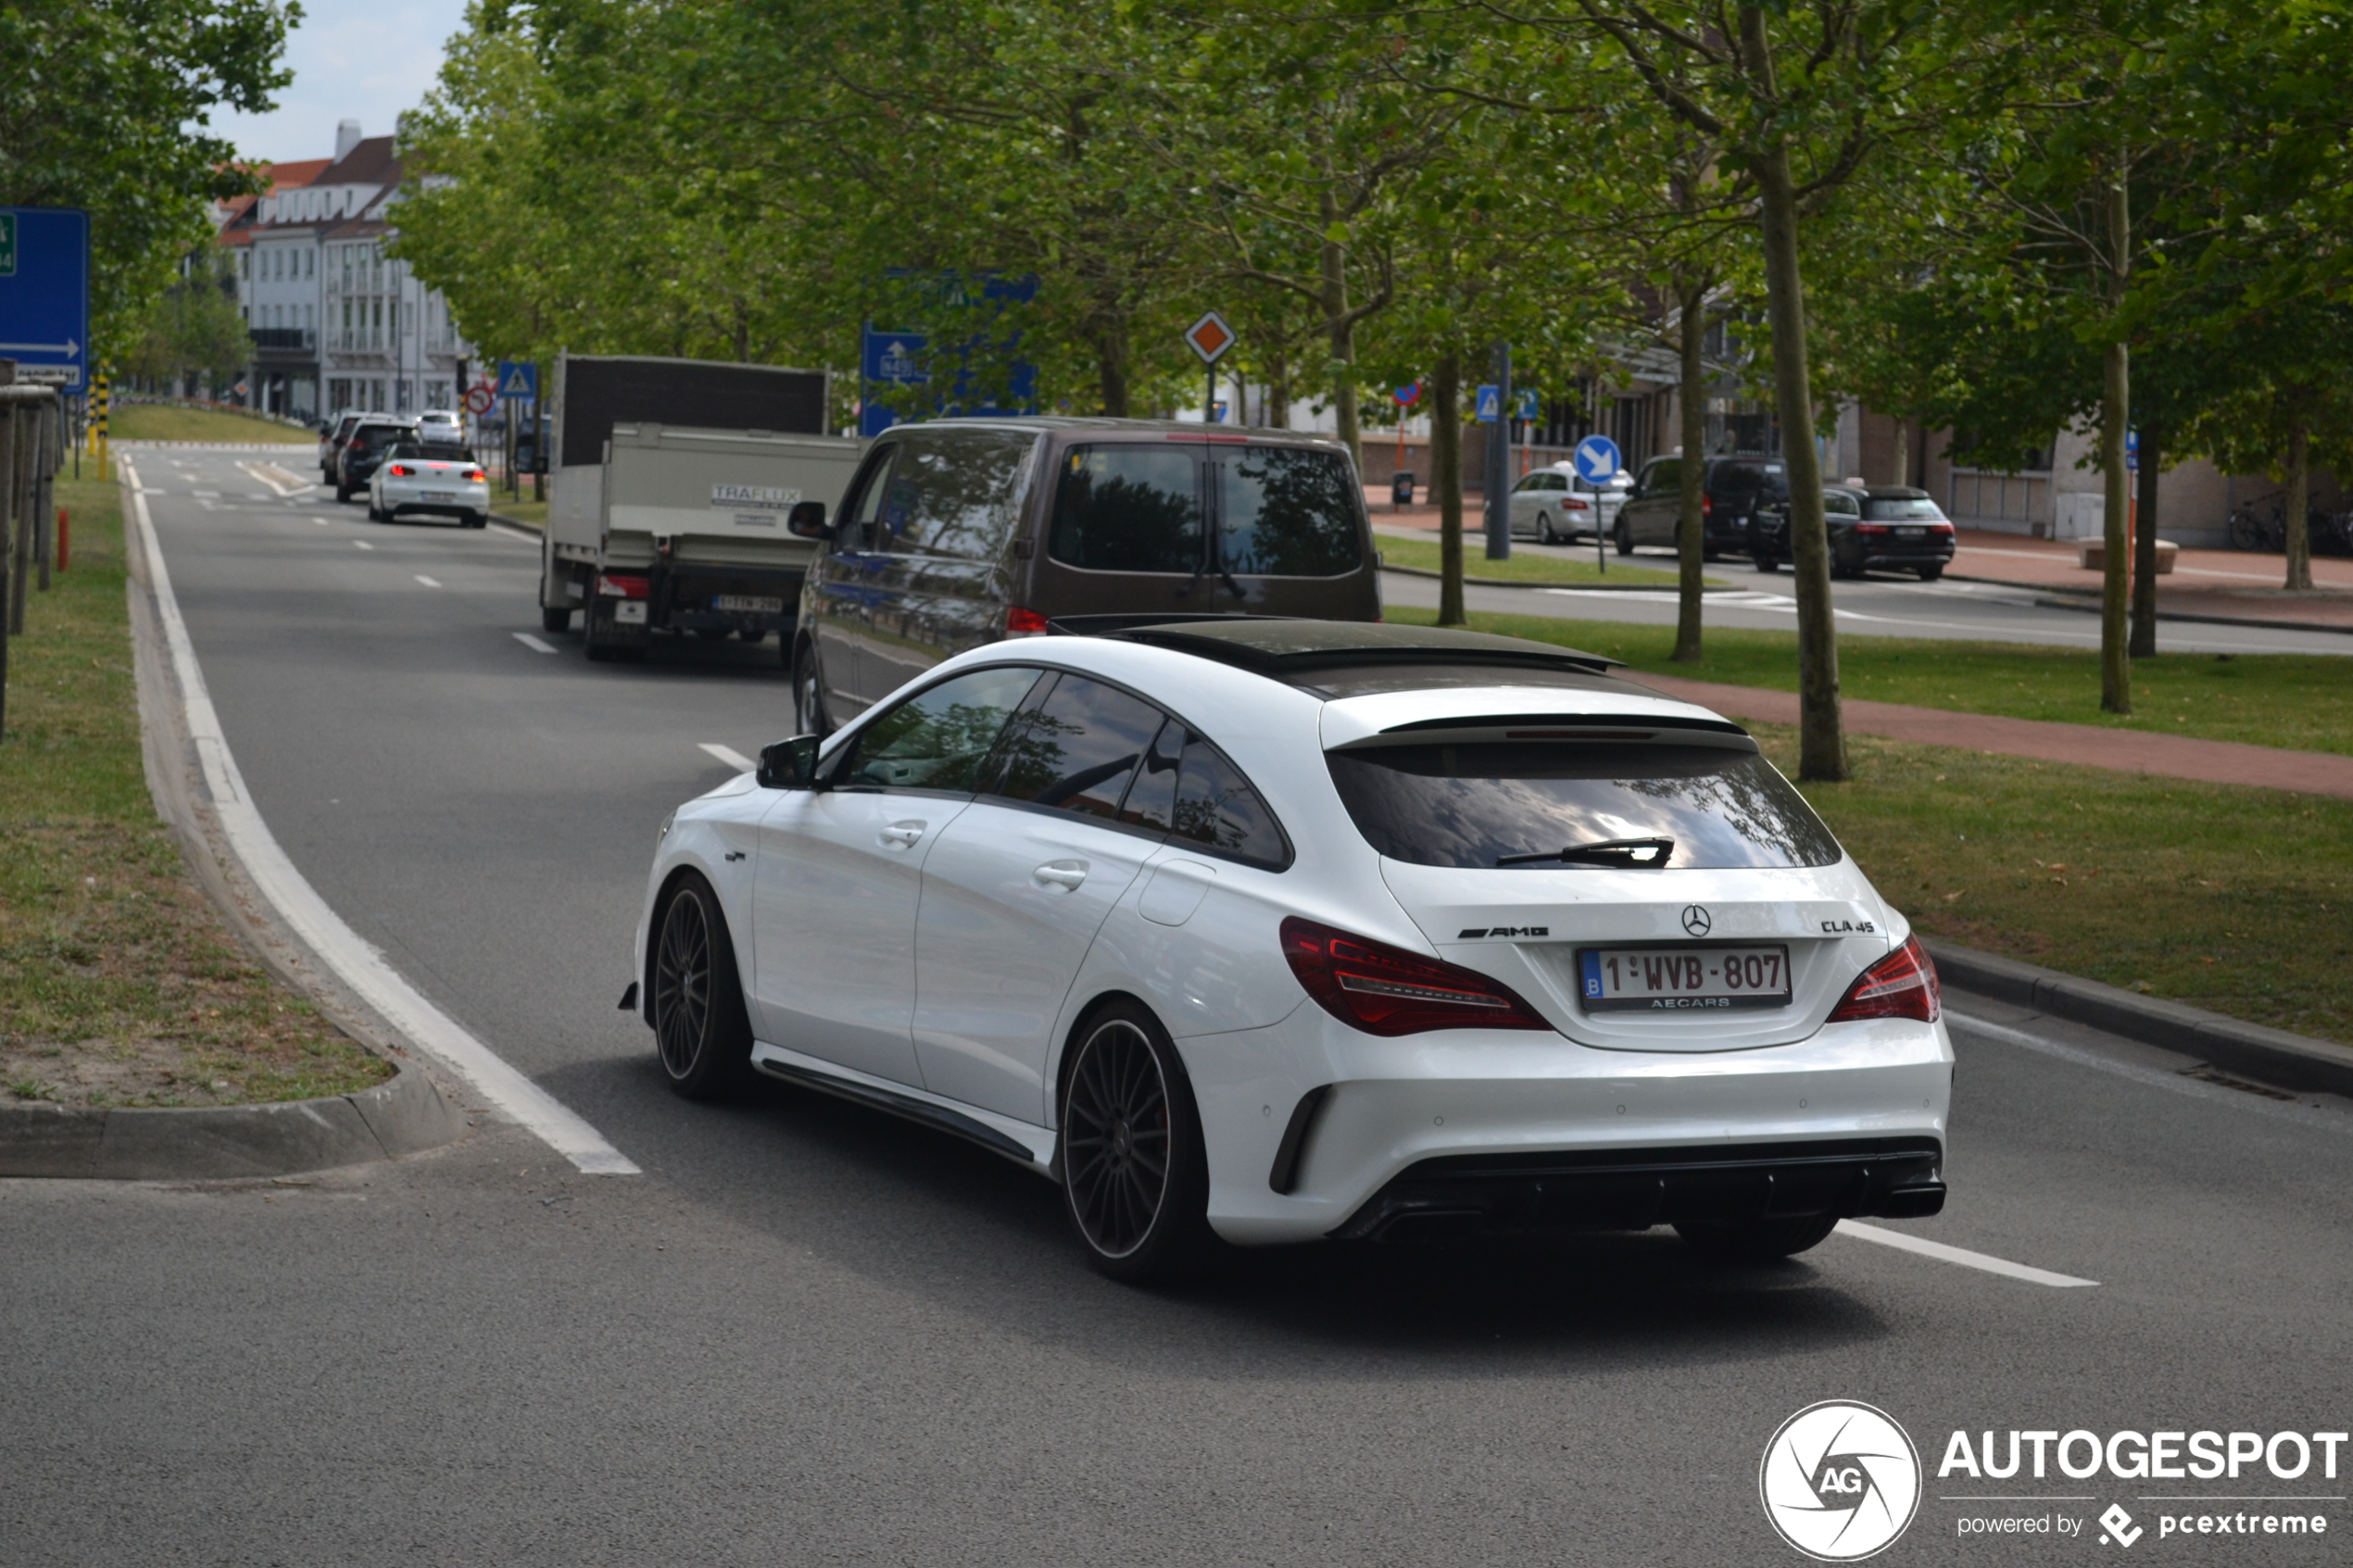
2299, 494
1111, 368
1692, 393
1446, 479
2116, 417
1902, 452
1343, 337
2144, 545
1277, 414
1821, 735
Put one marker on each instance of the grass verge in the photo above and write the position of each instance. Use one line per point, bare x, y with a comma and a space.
1422, 554
164, 421
532, 514
2301, 701
121, 984
2237, 900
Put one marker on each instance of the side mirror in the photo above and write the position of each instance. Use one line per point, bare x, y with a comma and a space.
807, 519
789, 764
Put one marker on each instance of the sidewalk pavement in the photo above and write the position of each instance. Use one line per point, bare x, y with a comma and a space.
2224, 585
2125, 751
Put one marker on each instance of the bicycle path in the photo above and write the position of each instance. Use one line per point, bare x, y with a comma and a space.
2124, 751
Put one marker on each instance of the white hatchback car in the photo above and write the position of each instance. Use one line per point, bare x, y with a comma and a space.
421, 477
1274, 931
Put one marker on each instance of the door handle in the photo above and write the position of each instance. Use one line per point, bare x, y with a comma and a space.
1065, 874
902, 835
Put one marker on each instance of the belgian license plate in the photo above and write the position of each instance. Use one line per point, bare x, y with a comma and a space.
748, 602
1683, 979
1911, 533
441, 494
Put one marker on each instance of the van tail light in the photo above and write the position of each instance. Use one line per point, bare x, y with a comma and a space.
1902, 985
1020, 623
400, 470
623, 586
1386, 990
1706, 505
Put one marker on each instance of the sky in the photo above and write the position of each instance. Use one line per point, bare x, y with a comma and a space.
352, 60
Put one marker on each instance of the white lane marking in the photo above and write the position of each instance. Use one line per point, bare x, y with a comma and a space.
533, 644
1960, 1255
277, 479
427, 581
523, 533
356, 963
320, 521
362, 545
206, 494
734, 759
2306, 1116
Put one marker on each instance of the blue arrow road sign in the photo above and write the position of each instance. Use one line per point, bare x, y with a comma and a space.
1528, 409
517, 379
44, 294
1488, 407
1596, 459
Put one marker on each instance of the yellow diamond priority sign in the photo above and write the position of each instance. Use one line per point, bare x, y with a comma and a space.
1210, 337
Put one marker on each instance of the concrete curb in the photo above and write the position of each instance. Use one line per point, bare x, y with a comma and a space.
2273, 1055
517, 522
404, 1115
2052, 597
1667, 586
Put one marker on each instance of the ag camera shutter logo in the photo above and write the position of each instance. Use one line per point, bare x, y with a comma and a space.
1839, 1481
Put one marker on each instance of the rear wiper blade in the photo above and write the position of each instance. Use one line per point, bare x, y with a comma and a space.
1641, 854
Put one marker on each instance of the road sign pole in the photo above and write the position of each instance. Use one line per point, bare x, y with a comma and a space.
1209, 404
1499, 461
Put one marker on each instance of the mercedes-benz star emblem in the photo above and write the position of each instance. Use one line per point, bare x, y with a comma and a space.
1695, 921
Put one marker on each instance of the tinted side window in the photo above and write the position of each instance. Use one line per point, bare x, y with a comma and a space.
1217, 808
938, 738
1127, 509
1076, 747
859, 515
956, 492
1839, 505
1285, 512
1151, 797
1662, 476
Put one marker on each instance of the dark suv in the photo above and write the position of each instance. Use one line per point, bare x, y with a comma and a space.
956, 532
1734, 491
1872, 528
366, 447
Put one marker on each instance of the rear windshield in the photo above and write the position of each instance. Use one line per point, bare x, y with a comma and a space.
1475, 805
1900, 508
1282, 511
1128, 509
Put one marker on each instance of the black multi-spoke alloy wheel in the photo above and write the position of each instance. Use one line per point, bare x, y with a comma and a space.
1759, 1241
807, 694
1133, 1175
700, 1027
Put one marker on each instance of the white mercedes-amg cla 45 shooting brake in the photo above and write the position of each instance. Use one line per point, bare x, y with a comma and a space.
1271, 931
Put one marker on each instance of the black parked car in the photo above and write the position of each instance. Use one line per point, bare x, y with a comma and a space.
1872, 528
368, 442
1735, 490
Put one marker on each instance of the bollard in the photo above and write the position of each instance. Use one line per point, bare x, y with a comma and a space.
65, 537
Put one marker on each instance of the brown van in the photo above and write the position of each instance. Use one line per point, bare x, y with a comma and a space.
956, 532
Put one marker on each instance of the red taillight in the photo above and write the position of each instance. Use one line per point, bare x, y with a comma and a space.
1873, 529
1902, 985
1386, 990
400, 470
622, 588
1575, 504
1020, 623
1706, 505
1939, 527
474, 476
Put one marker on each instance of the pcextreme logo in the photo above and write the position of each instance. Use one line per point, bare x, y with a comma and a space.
1839, 1481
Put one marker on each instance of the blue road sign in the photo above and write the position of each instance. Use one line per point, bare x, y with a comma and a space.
1408, 396
518, 381
2131, 450
1488, 407
888, 359
1528, 407
1596, 459
44, 294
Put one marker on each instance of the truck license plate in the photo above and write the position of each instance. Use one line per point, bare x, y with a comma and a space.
1683, 979
750, 604
630, 612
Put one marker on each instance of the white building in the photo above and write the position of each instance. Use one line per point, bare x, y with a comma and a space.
335, 323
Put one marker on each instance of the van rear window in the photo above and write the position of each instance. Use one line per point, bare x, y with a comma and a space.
1128, 509
1286, 511
1480, 805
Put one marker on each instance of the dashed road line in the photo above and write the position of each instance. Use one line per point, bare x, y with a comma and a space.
533, 644
362, 545
728, 755
1961, 1255
427, 581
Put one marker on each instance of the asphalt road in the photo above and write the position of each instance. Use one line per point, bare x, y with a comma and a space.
809, 1334
1882, 606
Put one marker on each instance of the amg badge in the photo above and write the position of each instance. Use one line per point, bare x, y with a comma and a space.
1476, 932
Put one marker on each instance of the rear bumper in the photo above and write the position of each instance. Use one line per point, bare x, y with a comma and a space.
417, 505
1518, 1195
681, 597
